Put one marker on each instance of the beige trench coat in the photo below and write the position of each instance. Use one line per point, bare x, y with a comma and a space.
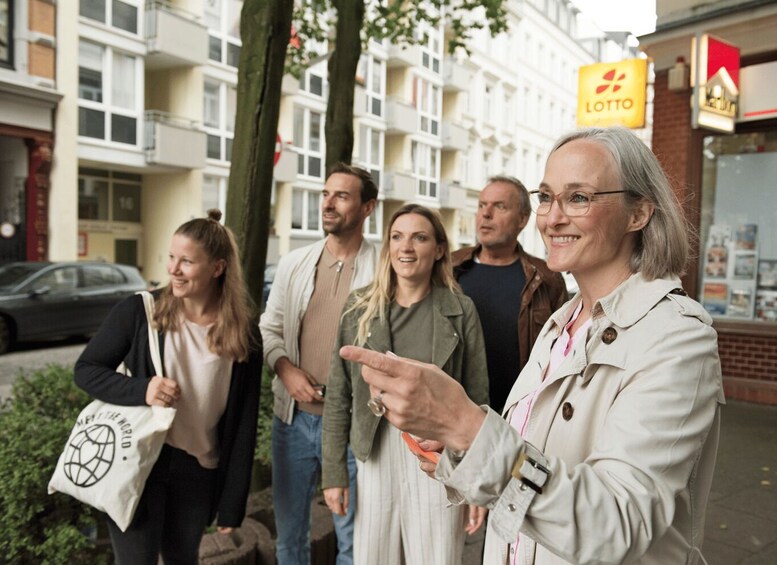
630, 429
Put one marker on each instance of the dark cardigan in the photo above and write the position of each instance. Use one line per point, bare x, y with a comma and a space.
123, 336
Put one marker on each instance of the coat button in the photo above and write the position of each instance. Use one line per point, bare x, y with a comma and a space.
567, 410
511, 507
609, 335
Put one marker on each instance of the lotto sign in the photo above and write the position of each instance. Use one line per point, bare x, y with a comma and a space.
612, 94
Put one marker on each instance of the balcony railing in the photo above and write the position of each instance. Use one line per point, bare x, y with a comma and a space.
401, 117
173, 141
399, 185
174, 37
454, 136
455, 76
453, 195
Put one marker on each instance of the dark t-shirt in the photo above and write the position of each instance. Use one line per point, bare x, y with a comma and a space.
496, 292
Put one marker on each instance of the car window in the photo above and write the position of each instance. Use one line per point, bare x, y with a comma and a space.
101, 275
62, 278
11, 275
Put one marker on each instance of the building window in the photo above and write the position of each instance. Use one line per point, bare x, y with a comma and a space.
738, 243
313, 81
371, 151
373, 74
222, 17
426, 163
308, 142
219, 107
426, 99
214, 193
121, 14
6, 33
306, 210
431, 46
373, 225
108, 196
108, 94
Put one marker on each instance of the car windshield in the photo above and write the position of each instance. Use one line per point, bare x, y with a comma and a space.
11, 275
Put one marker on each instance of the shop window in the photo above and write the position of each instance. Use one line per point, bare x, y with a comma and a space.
738, 237
108, 196
6, 33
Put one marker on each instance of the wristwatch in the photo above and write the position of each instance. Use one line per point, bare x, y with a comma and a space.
531, 468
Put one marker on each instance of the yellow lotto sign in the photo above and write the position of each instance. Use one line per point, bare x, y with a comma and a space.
612, 94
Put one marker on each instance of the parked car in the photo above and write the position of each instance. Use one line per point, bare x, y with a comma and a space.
40, 301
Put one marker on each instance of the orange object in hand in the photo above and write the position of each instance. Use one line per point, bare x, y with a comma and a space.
414, 446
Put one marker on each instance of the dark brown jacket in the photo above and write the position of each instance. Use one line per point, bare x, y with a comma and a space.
544, 293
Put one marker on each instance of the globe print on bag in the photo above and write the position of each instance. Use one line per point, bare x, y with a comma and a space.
88, 457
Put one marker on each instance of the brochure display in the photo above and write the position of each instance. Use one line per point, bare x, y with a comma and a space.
733, 276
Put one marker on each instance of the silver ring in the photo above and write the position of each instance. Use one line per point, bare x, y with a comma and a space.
376, 405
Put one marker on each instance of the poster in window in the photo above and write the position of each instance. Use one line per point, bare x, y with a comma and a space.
744, 266
717, 262
715, 298
740, 303
746, 237
766, 305
767, 274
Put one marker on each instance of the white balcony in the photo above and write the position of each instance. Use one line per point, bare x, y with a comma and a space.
455, 76
452, 195
401, 117
407, 56
174, 37
289, 85
399, 185
359, 102
174, 142
454, 136
285, 169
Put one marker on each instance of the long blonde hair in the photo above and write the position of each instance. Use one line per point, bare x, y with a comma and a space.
231, 334
374, 300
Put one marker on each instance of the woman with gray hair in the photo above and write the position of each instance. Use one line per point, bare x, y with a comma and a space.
605, 450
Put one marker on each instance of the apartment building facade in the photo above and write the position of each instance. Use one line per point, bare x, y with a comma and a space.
145, 96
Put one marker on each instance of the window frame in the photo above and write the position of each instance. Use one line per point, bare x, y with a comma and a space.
8, 61
111, 179
223, 35
224, 129
427, 185
107, 105
304, 153
108, 22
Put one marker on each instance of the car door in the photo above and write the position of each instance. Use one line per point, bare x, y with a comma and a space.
51, 304
102, 286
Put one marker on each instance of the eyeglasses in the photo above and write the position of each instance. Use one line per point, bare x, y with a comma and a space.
571, 203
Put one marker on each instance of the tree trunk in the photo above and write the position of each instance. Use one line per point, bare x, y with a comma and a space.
265, 26
342, 80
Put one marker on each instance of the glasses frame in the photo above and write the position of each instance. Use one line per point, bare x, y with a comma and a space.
563, 209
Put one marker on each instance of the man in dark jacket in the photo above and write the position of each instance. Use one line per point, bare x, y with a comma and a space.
514, 292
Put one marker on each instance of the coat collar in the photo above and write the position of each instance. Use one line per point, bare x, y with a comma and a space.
627, 304
445, 305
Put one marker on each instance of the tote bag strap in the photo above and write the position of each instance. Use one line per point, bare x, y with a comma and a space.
153, 334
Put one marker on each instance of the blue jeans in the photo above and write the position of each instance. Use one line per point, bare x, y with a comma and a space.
296, 466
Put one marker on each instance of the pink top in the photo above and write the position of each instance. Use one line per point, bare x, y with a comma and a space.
520, 414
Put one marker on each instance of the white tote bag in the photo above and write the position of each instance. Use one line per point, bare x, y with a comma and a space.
111, 449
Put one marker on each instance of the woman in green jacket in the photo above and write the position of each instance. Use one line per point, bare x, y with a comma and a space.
415, 309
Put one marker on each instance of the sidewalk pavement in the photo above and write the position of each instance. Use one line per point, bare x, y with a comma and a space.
741, 525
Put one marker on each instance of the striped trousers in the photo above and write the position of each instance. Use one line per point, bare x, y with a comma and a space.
402, 515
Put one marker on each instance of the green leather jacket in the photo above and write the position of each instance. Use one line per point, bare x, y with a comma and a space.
457, 348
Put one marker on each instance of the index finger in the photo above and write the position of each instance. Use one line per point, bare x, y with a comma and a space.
378, 369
